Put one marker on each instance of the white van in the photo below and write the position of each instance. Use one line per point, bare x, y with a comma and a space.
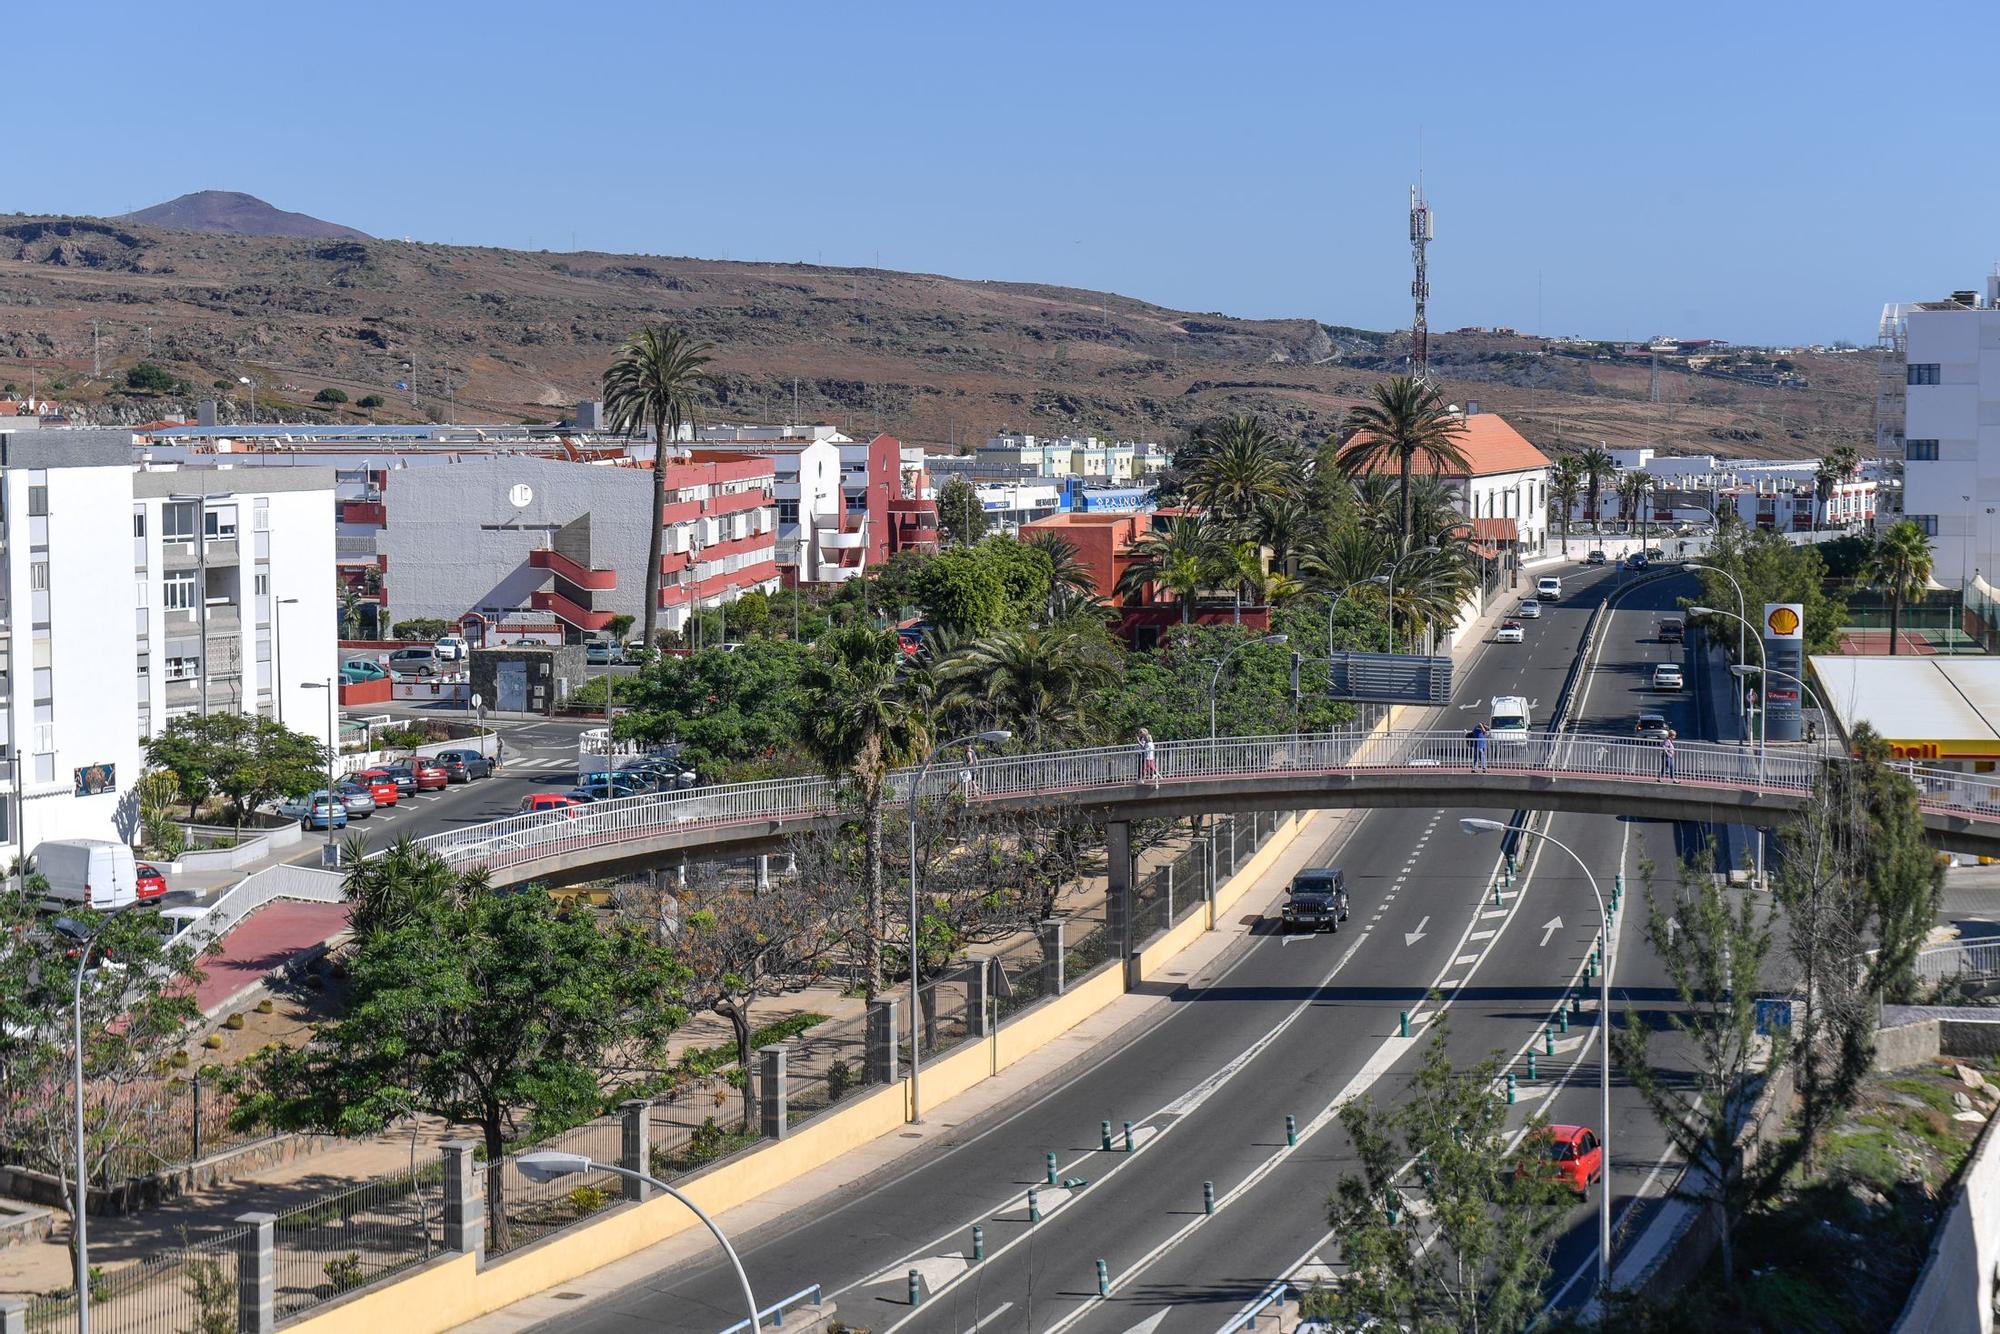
1549, 588
1510, 719
177, 922
93, 872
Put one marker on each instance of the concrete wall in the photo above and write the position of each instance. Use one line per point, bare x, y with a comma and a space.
1955, 1292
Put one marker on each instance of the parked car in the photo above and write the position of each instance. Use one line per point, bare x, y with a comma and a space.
380, 786
451, 648
1575, 1156
667, 775
315, 810
531, 641
94, 872
600, 653
608, 788
1529, 610
462, 766
358, 799
1317, 900
547, 801
178, 921
1667, 676
150, 884
636, 651
398, 776
1595, 558
1651, 726
1655, 553
356, 672
1510, 632
417, 776
413, 662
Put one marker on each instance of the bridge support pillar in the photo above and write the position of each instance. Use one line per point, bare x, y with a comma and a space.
773, 1106
1053, 934
763, 872
1118, 896
978, 996
883, 1031
635, 1142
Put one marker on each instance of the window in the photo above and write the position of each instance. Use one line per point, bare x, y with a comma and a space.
38, 500
263, 584
220, 523
38, 576
45, 683
177, 592
1922, 372
138, 523
1927, 522
177, 522
183, 669
1920, 451
788, 511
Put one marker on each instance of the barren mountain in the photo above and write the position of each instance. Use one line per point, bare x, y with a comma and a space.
507, 335
236, 215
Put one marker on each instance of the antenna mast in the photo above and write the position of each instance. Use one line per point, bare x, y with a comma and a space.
1420, 287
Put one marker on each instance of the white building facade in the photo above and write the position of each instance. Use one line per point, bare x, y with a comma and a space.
1074, 456
1951, 429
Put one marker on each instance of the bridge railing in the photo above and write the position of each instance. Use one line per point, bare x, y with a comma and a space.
522, 838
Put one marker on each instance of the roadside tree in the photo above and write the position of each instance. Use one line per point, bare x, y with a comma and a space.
961, 516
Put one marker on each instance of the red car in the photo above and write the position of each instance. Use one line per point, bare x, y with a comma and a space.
547, 801
1577, 1156
151, 883
380, 786
429, 776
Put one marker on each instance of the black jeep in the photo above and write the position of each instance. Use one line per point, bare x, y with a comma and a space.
1317, 900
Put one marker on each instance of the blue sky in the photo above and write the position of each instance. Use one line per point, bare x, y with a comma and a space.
1746, 171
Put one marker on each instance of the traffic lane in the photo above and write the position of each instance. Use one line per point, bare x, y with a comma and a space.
1620, 685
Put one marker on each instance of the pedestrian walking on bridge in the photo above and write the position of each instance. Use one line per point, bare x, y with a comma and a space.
1667, 755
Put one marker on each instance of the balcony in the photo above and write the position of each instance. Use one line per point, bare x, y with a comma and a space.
564, 610
595, 581
184, 556
843, 541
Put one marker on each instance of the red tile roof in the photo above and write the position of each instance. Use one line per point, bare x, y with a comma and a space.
1489, 444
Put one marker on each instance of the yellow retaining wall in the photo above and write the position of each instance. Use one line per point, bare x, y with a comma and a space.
450, 1292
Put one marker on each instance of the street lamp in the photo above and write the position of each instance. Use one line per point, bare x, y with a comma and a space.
1223, 661
1333, 605
1476, 827
1394, 566
278, 656
547, 1165
998, 736
1742, 614
75, 931
331, 857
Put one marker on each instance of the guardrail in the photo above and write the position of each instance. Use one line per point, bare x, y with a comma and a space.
774, 1314
1276, 1296
1977, 959
254, 891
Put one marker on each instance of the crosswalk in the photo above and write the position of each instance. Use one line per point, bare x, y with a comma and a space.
537, 763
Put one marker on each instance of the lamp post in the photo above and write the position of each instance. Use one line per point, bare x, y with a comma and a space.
331, 857
1742, 614
88, 941
1478, 826
1333, 604
278, 656
1223, 661
1394, 566
998, 736
549, 1166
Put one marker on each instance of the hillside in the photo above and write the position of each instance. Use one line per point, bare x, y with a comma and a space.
237, 215
506, 335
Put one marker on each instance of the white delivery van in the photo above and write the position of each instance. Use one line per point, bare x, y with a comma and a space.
1510, 720
1549, 588
92, 872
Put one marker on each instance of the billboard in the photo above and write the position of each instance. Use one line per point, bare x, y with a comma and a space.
1389, 678
1784, 634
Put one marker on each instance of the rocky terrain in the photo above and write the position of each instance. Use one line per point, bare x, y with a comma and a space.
507, 335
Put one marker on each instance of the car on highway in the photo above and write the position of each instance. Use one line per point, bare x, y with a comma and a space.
1530, 610
1636, 561
357, 798
451, 648
1511, 719
1510, 632
1651, 727
359, 671
1595, 558
1575, 1156
462, 766
150, 883
315, 810
414, 662
548, 801
1673, 630
1549, 588
382, 788
1655, 553
1316, 901
1667, 676
600, 653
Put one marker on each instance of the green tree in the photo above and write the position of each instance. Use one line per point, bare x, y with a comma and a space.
1068, 573
159, 791
1900, 565
1565, 485
1714, 951
191, 748
962, 590
421, 628
1439, 1230
500, 1011
330, 395
350, 614
265, 759
653, 380
1182, 559
1241, 465
1597, 467
1044, 685
1881, 834
891, 589
961, 516
1025, 577
750, 614
1404, 421
727, 710
150, 378
619, 626
1633, 488
370, 401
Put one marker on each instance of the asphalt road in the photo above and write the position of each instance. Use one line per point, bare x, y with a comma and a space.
1280, 1027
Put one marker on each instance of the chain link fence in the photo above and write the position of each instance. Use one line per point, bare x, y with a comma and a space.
182, 1290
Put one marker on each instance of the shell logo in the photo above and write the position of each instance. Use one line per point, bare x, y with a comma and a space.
1784, 622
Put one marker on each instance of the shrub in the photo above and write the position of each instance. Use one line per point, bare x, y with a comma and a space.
264, 1006
180, 1060
369, 401
587, 1200
839, 1079
234, 1023
212, 1041
346, 1272
330, 395
150, 378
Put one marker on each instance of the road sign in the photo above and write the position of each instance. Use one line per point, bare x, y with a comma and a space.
1773, 1016
1389, 678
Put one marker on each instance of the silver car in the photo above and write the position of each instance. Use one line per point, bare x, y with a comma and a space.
360, 802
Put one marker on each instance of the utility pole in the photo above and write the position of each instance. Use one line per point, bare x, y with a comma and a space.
1420, 287
96, 365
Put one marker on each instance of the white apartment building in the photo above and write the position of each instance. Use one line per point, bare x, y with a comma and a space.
1951, 427
807, 490
1074, 456
234, 590
1507, 479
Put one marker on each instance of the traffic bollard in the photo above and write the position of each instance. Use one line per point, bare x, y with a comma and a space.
916, 1288
1562, 1017
1103, 1280
978, 1243
1548, 1041
1531, 1064
1208, 1197
1034, 1206
1049, 1160
1510, 1088
1104, 1131
1406, 1023
1291, 1131
1128, 1137
1576, 1005
1496, 894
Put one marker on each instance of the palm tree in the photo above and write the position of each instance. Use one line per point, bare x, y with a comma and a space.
1565, 485
1597, 467
1406, 421
652, 381
861, 719
1633, 488
1069, 577
350, 614
1348, 557
1043, 684
1284, 525
1431, 586
1900, 565
1243, 464
387, 890
1180, 560
1840, 466
1378, 506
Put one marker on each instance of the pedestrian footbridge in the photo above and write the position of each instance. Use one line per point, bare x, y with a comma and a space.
1579, 772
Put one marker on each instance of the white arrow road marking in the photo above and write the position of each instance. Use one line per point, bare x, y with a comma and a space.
1151, 1322
1412, 937
1550, 927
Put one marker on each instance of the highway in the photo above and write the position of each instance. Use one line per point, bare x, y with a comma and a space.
1278, 1027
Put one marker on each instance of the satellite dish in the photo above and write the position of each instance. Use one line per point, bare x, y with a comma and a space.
520, 494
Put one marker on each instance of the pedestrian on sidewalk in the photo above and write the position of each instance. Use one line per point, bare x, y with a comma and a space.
1477, 736
1667, 756
1149, 772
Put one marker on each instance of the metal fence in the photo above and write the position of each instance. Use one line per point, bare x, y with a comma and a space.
533, 1209
1967, 959
181, 1290
345, 1241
